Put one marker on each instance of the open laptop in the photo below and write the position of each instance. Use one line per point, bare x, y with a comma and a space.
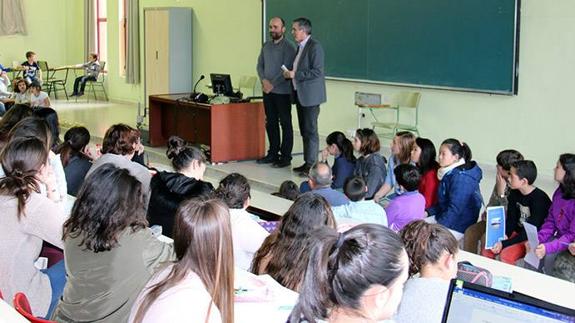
472, 303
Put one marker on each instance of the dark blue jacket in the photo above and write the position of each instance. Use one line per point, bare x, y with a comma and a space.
341, 170
458, 198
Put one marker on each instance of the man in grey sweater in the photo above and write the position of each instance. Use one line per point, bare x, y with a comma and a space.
277, 101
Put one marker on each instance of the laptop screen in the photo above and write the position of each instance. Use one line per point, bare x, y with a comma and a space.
474, 305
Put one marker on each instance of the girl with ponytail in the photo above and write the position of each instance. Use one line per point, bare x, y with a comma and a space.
28, 219
341, 149
354, 276
169, 189
432, 252
76, 163
458, 197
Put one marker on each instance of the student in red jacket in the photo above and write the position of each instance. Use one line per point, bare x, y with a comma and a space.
423, 155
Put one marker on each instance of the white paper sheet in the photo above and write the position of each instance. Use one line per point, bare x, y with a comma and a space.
530, 257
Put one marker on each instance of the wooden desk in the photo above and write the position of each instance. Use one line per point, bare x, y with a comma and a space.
233, 131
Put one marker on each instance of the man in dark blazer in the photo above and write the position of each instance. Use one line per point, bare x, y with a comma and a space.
308, 82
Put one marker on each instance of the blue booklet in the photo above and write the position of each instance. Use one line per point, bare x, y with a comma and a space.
495, 226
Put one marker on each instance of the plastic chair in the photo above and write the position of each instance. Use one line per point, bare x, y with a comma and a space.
99, 82
248, 83
51, 81
401, 104
22, 306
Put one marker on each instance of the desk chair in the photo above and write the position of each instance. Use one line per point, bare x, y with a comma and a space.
400, 104
99, 82
51, 81
247, 83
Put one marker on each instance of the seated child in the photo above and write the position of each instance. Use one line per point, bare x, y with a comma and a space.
410, 205
38, 98
32, 72
91, 71
20, 94
527, 203
288, 190
558, 231
358, 210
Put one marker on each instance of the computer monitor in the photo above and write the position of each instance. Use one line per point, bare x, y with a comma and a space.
222, 84
472, 303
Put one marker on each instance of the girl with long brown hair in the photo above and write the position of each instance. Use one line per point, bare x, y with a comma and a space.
199, 285
285, 252
401, 147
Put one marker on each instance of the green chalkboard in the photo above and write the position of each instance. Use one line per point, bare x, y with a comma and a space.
454, 44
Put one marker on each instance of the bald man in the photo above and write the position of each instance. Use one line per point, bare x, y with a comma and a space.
320, 178
277, 94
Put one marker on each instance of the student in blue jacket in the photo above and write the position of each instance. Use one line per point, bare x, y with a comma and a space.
458, 197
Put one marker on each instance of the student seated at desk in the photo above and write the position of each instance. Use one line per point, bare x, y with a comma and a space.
248, 235
344, 161
358, 210
371, 165
32, 71
475, 234
38, 98
91, 71
558, 230
459, 198
28, 219
199, 285
353, 276
289, 241
410, 204
432, 252
527, 203
170, 189
110, 251
401, 147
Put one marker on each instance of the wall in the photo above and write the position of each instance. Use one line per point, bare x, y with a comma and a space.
227, 39
55, 29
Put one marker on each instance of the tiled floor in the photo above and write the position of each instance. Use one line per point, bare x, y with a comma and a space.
98, 116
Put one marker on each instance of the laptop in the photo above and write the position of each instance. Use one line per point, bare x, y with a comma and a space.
472, 303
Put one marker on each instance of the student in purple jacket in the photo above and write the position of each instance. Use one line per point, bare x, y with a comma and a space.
410, 204
558, 231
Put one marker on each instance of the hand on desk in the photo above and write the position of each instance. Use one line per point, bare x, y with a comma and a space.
267, 86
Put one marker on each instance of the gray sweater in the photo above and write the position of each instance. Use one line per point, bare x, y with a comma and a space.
272, 57
423, 301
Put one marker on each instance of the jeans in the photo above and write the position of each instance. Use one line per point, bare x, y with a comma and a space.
81, 82
307, 120
2, 109
57, 276
278, 113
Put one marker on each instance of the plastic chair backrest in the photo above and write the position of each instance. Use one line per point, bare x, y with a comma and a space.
102, 68
22, 306
43, 66
407, 99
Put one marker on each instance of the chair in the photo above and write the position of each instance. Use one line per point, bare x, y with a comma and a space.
401, 104
22, 306
248, 83
99, 82
51, 81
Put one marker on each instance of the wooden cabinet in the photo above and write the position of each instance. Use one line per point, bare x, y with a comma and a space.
168, 50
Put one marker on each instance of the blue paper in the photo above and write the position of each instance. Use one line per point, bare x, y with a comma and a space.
495, 226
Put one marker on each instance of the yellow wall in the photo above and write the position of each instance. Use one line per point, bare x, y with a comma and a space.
55, 32
227, 39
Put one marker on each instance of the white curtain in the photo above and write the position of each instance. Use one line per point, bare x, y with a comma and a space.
133, 42
90, 41
12, 18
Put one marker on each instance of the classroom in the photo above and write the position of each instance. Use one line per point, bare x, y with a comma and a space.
148, 113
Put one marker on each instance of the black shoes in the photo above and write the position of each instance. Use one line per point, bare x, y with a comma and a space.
303, 170
267, 160
281, 163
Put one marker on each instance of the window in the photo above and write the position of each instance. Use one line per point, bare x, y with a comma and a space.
101, 30
123, 36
